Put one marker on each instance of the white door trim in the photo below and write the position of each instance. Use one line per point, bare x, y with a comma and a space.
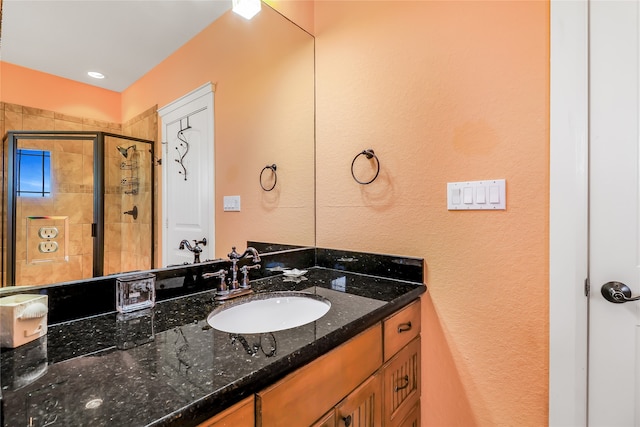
206, 92
568, 213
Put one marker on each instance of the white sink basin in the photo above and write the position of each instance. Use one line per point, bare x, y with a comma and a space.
270, 312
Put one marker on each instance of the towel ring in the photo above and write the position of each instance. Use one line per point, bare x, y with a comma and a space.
369, 154
275, 177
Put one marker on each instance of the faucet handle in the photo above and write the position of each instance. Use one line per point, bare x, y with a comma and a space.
245, 274
233, 254
222, 286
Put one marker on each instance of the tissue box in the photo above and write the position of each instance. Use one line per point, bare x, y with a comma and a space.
23, 318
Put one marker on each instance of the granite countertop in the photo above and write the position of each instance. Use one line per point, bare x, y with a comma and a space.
168, 367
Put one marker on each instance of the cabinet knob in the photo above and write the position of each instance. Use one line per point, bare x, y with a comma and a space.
347, 420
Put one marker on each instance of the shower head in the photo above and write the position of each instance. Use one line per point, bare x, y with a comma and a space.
125, 151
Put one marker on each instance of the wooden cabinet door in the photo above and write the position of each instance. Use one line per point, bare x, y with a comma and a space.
363, 407
411, 420
242, 414
402, 383
306, 394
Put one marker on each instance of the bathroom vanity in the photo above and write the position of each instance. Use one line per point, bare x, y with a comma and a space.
168, 367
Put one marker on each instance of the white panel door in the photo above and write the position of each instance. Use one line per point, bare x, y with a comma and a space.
614, 331
188, 176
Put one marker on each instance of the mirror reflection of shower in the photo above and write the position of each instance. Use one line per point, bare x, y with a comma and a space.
87, 223
129, 167
125, 151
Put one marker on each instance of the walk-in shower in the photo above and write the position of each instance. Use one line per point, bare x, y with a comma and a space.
75, 205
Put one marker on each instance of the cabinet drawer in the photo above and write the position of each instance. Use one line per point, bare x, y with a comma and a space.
363, 407
242, 414
305, 395
401, 328
411, 420
402, 383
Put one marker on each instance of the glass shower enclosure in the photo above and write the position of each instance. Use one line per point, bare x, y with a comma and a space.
76, 205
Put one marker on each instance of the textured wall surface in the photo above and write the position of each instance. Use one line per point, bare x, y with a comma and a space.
447, 91
19, 85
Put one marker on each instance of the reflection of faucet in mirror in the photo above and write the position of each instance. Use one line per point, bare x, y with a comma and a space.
195, 248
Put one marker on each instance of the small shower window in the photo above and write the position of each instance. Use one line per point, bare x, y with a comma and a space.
33, 170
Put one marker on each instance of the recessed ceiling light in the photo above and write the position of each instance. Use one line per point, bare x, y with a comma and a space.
246, 8
96, 75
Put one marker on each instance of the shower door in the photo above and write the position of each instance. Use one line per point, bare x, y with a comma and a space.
50, 189
128, 205
76, 205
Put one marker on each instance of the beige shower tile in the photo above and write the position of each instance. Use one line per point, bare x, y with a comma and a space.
66, 271
87, 148
35, 274
86, 208
87, 239
67, 167
15, 108
75, 239
35, 206
31, 111
99, 125
113, 237
66, 125
67, 118
71, 205
113, 260
68, 146
12, 120
30, 122
87, 266
87, 172
112, 208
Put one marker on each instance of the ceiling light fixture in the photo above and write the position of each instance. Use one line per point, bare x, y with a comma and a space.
96, 75
246, 8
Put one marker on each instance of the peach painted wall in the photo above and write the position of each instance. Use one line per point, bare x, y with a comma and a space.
447, 91
264, 110
298, 11
24, 86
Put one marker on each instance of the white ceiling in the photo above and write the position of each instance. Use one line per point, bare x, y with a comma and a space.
122, 39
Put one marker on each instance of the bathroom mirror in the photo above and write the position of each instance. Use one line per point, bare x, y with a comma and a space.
257, 124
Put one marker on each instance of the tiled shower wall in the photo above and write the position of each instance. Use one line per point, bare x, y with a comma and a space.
73, 196
128, 242
136, 245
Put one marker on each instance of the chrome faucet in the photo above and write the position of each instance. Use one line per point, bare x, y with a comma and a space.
195, 248
235, 257
235, 288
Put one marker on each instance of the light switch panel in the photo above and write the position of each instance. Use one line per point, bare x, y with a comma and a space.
231, 204
477, 195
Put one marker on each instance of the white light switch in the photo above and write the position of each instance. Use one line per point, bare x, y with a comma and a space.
231, 203
481, 195
467, 195
494, 194
477, 195
455, 196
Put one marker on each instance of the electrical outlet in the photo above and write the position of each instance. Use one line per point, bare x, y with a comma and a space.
47, 247
48, 232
